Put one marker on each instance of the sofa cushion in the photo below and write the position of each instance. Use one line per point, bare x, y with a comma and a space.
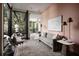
43, 34
49, 39
50, 36
59, 37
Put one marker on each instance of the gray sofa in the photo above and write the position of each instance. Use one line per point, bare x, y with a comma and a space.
47, 38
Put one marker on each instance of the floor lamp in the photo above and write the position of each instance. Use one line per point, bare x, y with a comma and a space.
64, 24
69, 21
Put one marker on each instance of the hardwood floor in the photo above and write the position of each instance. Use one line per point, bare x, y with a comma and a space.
33, 47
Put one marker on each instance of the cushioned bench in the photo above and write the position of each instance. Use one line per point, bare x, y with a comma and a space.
47, 38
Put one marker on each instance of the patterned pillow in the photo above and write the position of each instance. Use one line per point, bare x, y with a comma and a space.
59, 37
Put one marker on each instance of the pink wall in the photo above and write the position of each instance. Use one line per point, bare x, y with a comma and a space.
66, 10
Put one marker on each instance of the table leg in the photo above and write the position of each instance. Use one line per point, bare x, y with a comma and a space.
65, 50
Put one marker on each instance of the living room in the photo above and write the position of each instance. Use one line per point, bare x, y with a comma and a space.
57, 34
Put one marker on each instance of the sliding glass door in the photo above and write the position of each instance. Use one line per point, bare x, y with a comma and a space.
34, 23
33, 27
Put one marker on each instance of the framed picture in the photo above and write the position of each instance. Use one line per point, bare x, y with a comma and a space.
55, 24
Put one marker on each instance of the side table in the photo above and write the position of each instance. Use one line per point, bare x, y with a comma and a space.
65, 46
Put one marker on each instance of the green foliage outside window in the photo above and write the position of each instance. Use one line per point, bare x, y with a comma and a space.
18, 18
6, 12
33, 26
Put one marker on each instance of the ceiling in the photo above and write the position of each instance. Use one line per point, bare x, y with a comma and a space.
34, 7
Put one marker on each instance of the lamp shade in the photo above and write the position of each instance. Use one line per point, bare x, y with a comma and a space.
64, 23
70, 20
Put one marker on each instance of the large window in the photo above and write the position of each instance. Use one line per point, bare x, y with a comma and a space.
33, 26
18, 18
34, 22
6, 14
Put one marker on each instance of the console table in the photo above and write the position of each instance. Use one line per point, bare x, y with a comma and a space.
65, 46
